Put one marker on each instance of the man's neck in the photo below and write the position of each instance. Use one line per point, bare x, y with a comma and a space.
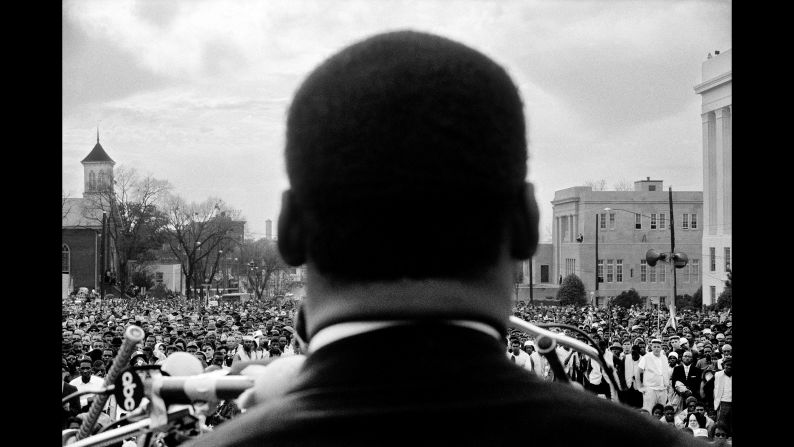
488, 300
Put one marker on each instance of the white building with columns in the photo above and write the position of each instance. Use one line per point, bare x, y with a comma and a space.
717, 116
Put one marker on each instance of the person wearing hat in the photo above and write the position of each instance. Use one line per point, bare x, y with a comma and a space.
246, 351
675, 344
409, 122
654, 374
727, 352
672, 359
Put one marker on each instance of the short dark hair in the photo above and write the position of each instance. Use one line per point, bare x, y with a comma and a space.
404, 152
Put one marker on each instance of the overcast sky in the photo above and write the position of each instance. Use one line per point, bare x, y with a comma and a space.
195, 92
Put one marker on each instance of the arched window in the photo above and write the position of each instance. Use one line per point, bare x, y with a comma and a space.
101, 182
91, 181
65, 254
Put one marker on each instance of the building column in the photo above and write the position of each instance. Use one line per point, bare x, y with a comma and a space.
719, 143
724, 130
555, 242
709, 174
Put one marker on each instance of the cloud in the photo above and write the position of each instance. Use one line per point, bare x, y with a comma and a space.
96, 70
198, 90
158, 12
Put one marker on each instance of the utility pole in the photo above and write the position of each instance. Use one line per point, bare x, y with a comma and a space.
596, 261
102, 260
672, 252
530, 281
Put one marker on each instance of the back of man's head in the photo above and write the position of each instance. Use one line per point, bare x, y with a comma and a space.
404, 152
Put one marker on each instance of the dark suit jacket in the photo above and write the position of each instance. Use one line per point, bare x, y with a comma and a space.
433, 385
692, 381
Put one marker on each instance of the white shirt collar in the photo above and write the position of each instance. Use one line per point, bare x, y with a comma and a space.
335, 332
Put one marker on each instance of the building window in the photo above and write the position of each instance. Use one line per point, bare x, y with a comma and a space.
652, 276
685, 221
159, 277
727, 259
611, 221
91, 181
661, 272
600, 272
544, 273
653, 221
619, 270
603, 221
570, 266
610, 270
662, 300
643, 271
694, 224
713, 293
712, 259
651, 187
695, 265
644, 301
65, 258
638, 221
685, 272
101, 180
662, 224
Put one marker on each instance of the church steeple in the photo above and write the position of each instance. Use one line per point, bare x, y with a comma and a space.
97, 169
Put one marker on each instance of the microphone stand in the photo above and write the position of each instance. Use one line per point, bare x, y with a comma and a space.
132, 336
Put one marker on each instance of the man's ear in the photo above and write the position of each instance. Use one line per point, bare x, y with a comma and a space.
524, 224
291, 232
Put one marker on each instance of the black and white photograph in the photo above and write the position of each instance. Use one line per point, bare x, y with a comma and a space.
396, 222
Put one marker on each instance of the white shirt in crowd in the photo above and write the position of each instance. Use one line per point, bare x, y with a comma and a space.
93, 383
723, 388
656, 371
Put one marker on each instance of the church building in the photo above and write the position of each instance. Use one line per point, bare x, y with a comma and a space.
82, 263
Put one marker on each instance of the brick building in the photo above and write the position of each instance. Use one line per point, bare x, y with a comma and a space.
81, 227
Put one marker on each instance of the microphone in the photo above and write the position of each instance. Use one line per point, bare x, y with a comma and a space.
186, 383
547, 346
132, 336
203, 387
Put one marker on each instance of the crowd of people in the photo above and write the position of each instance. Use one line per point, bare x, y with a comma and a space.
219, 336
679, 375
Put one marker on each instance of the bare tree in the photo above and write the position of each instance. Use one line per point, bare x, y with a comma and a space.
264, 262
197, 232
66, 206
135, 221
623, 185
597, 185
